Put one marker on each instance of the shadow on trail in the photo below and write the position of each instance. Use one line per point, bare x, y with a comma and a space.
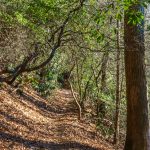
44, 145
14, 119
44, 106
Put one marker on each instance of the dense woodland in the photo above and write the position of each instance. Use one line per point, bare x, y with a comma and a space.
96, 49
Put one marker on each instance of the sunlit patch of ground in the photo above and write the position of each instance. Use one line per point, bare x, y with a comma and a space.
29, 122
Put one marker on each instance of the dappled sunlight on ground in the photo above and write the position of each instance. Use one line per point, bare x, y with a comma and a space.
28, 121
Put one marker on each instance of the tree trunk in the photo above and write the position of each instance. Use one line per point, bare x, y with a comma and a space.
76, 101
103, 71
101, 105
116, 134
136, 90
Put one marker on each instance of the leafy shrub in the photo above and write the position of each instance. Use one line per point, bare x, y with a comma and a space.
44, 84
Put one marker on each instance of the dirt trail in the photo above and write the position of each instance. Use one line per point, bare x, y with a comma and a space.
29, 122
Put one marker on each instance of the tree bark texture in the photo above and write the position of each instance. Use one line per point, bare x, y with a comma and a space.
136, 89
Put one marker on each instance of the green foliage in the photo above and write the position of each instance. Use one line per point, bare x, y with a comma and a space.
148, 27
135, 17
106, 130
45, 84
89, 34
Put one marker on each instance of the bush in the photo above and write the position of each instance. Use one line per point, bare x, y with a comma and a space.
44, 82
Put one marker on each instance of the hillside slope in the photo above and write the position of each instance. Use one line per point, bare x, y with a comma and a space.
29, 122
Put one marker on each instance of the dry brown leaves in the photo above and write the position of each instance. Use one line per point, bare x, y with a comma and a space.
29, 122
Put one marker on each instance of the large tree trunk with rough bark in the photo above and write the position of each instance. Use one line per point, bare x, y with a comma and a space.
136, 89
